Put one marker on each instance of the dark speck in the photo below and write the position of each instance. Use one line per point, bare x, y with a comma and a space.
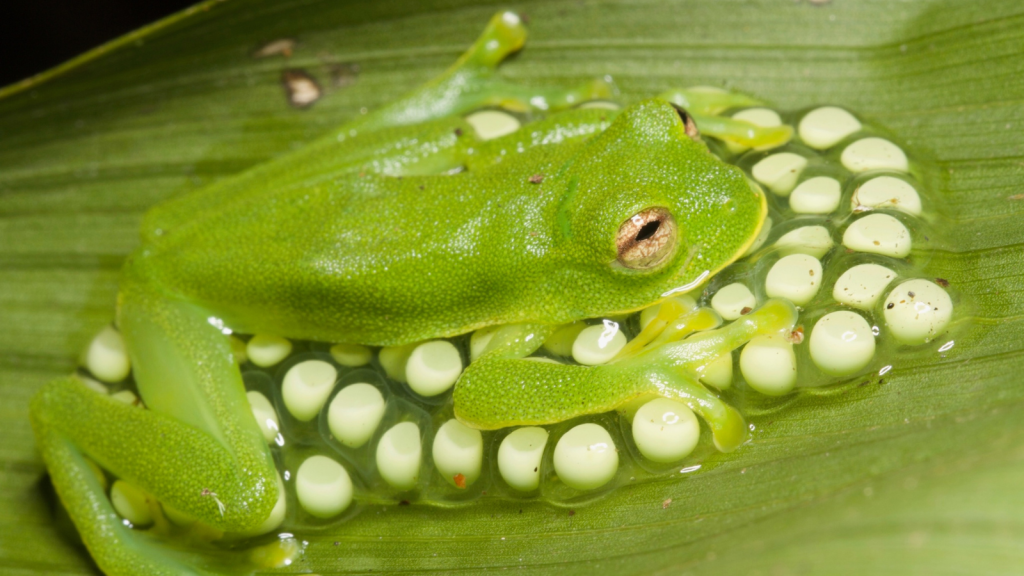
911, 294
403, 503
572, 512
458, 131
536, 179
746, 310
942, 282
890, 306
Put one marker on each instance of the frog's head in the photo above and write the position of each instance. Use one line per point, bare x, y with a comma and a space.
649, 212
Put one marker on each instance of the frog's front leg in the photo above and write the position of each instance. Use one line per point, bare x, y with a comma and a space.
472, 83
196, 448
499, 392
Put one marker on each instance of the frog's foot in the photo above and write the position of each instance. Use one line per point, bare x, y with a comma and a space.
706, 104
471, 83
742, 133
707, 100
489, 394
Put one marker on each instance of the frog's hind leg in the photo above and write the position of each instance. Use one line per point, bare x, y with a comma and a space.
472, 83
490, 394
196, 447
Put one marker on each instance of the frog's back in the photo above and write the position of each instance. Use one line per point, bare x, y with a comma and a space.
359, 257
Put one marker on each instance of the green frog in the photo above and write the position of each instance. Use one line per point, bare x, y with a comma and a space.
401, 226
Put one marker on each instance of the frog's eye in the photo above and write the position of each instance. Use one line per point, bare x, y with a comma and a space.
688, 124
646, 239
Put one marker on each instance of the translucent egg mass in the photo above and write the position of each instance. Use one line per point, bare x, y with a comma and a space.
844, 243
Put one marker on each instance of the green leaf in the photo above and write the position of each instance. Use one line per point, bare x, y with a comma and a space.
919, 475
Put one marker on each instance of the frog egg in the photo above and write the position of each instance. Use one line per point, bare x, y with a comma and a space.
824, 127
355, 413
766, 229
796, 277
433, 367
779, 172
917, 310
276, 517
458, 449
519, 457
862, 285
598, 344
106, 357
887, 192
131, 503
398, 456
731, 301
649, 313
238, 349
878, 234
769, 365
599, 105
874, 154
265, 350
761, 117
818, 195
323, 487
177, 517
560, 343
266, 416
306, 388
351, 355
718, 372
491, 124
586, 457
93, 385
842, 343
811, 240
665, 430
393, 360
479, 340
128, 397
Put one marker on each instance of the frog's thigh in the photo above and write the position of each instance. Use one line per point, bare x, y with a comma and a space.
118, 549
186, 375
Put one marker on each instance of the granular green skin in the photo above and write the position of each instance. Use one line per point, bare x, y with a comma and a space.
364, 238
362, 258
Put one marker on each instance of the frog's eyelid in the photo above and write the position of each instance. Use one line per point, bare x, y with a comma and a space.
689, 125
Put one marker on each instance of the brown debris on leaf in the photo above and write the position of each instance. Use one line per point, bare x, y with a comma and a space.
344, 74
797, 335
282, 46
301, 89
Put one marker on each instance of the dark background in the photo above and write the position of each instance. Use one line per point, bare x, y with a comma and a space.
38, 34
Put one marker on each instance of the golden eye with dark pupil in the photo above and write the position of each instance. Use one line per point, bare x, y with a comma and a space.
646, 239
689, 126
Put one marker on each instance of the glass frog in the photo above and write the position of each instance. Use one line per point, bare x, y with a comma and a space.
404, 226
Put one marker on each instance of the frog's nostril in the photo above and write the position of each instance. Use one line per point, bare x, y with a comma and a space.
689, 126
